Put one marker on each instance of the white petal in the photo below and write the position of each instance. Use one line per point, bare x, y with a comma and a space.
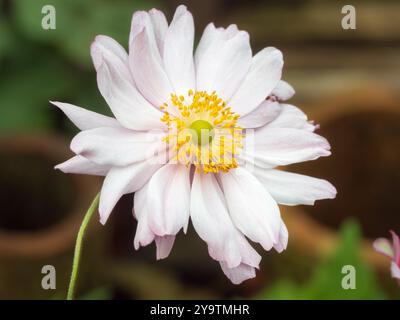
250, 261
160, 26
283, 146
283, 91
266, 112
164, 246
81, 165
273, 114
283, 238
396, 246
293, 189
238, 274
137, 22
210, 34
146, 64
395, 270
178, 51
84, 119
211, 221
143, 236
253, 211
116, 146
168, 197
117, 87
123, 180
291, 117
264, 74
158, 22
384, 246
223, 62
106, 46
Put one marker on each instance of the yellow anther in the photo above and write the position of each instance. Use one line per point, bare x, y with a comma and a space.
203, 111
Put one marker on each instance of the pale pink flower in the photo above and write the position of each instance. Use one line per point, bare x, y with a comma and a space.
391, 250
160, 89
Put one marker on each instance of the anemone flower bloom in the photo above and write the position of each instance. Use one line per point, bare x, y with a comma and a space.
164, 98
391, 250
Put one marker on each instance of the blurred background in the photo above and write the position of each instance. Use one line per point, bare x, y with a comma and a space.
346, 80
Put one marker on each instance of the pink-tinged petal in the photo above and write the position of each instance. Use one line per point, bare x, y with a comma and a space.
283, 91
250, 261
158, 22
252, 209
84, 119
210, 34
116, 146
164, 246
293, 189
273, 147
272, 114
146, 64
238, 274
116, 85
211, 221
81, 165
178, 51
104, 46
137, 23
123, 180
160, 26
291, 117
167, 211
262, 78
283, 239
384, 246
143, 236
396, 247
395, 270
223, 61
266, 112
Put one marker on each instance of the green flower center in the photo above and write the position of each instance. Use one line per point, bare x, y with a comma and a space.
202, 131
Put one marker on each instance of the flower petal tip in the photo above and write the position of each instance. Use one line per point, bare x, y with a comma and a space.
326, 153
333, 194
331, 191
56, 104
103, 219
182, 8
160, 257
76, 144
279, 249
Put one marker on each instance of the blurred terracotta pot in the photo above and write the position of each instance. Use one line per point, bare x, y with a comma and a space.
363, 127
45, 237
41, 211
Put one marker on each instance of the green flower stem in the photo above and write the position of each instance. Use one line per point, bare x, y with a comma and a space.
78, 247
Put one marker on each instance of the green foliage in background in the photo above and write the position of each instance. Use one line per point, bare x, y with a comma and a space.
38, 65
26, 89
326, 281
6, 40
78, 22
101, 293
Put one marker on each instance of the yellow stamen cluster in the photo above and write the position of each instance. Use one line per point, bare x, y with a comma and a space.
187, 116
